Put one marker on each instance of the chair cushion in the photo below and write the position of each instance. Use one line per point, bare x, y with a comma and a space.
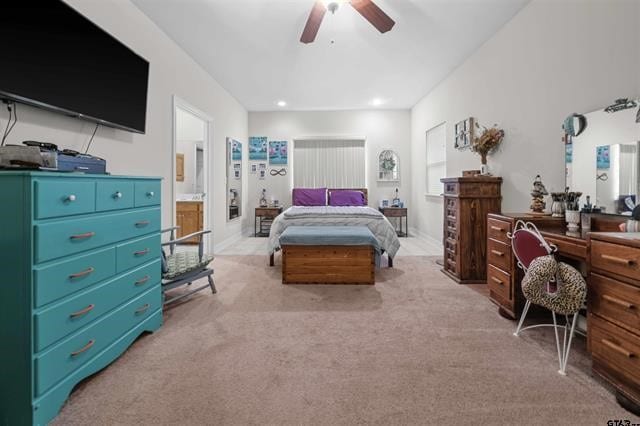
571, 287
183, 262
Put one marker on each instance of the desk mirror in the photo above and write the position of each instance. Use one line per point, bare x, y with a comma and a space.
603, 160
234, 179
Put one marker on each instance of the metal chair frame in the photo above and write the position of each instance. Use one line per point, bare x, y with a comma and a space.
188, 277
565, 348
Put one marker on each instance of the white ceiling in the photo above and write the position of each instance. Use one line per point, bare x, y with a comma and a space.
252, 48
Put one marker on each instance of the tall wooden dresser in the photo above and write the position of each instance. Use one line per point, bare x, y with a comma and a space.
614, 312
80, 259
467, 201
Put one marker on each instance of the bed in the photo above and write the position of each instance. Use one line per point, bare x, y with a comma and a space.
377, 223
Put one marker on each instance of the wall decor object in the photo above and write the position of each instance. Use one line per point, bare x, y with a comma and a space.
278, 153
254, 169
574, 124
538, 193
603, 158
620, 105
262, 175
388, 166
464, 133
278, 172
258, 148
638, 116
236, 150
487, 143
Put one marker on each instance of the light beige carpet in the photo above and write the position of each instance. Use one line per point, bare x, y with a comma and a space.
414, 349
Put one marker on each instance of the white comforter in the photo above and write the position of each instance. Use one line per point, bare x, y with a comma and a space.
377, 223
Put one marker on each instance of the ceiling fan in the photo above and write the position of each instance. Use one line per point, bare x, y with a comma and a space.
366, 8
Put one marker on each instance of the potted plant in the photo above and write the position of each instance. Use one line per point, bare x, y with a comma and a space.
487, 143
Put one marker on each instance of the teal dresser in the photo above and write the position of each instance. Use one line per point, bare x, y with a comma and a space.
80, 281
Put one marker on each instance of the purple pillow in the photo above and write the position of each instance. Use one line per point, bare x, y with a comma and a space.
346, 198
309, 196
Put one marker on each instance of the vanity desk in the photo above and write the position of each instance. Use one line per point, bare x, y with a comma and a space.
610, 261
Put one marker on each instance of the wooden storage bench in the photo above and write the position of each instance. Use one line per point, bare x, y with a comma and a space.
328, 255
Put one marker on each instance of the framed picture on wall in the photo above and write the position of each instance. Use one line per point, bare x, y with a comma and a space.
278, 153
254, 168
258, 148
463, 133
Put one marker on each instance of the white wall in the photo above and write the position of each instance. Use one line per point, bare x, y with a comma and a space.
172, 72
554, 58
383, 129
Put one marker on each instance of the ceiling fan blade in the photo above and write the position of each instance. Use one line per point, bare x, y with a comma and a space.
313, 23
373, 14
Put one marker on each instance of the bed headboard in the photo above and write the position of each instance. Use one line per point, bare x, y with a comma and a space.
363, 190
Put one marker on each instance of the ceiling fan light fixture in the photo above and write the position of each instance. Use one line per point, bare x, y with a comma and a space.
333, 5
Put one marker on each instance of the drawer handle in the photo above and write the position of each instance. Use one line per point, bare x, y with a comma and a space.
70, 198
117, 195
84, 348
142, 223
618, 260
497, 253
150, 194
497, 228
83, 236
142, 309
617, 348
496, 280
82, 312
143, 280
81, 274
619, 302
141, 252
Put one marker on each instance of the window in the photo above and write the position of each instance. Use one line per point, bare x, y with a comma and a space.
331, 163
436, 159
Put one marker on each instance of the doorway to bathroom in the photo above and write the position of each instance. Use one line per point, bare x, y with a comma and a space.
192, 134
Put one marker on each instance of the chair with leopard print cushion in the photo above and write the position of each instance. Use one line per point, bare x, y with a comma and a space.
548, 283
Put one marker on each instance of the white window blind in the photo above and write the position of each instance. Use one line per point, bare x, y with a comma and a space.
436, 159
331, 163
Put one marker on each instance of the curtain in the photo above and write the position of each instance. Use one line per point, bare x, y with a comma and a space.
331, 163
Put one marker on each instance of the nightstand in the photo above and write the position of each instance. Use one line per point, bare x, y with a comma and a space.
263, 220
400, 213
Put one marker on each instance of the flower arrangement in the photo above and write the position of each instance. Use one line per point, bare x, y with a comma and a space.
487, 142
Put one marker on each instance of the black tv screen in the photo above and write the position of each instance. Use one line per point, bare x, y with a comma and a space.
53, 57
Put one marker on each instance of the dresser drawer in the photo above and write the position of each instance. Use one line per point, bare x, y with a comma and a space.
617, 349
621, 260
498, 230
147, 193
69, 315
451, 188
499, 282
63, 278
56, 198
61, 238
615, 301
114, 194
137, 252
56, 363
566, 247
499, 254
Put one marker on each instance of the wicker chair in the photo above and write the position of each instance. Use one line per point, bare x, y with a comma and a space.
184, 267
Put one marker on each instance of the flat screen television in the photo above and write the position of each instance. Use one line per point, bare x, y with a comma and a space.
54, 58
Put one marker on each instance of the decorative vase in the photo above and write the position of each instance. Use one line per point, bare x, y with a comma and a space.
573, 220
484, 168
557, 207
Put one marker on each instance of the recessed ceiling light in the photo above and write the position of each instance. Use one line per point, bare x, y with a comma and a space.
377, 101
281, 103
